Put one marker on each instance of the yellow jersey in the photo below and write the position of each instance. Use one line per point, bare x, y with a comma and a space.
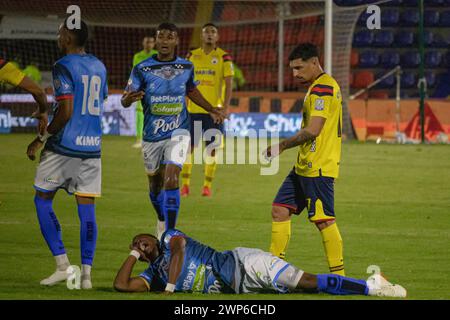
10, 73
321, 157
210, 70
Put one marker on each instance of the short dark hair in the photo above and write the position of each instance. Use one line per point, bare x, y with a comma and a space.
167, 26
304, 51
81, 34
147, 235
209, 24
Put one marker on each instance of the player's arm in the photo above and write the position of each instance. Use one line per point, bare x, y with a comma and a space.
133, 91
124, 282
177, 249
228, 74
41, 114
228, 92
216, 113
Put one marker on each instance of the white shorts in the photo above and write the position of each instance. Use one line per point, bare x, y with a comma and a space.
259, 271
77, 176
168, 151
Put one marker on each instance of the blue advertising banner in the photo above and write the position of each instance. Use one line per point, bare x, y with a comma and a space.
5, 121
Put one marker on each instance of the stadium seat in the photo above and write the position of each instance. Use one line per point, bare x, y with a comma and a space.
431, 79
439, 41
404, 38
379, 94
362, 79
390, 17
389, 82
363, 39
394, 3
431, 18
362, 20
433, 59
354, 58
444, 20
390, 59
447, 60
409, 3
244, 34
383, 38
228, 34
230, 13
265, 35
434, 2
246, 56
368, 59
409, 18
408, 80
410, 59
267, 56
428, 38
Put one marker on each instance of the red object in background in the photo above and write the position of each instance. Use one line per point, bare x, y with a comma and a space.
432, 125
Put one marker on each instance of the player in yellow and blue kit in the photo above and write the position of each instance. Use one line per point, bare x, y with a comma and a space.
162, 82
310, 184
71, 156
179, 263
214, 71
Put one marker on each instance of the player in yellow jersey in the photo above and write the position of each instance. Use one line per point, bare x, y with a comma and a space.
310, 184
214, 71
12, 75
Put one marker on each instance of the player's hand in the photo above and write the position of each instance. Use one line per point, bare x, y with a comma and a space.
33, 148
219, 115
42, 121
131, 97
273, 151
142, 257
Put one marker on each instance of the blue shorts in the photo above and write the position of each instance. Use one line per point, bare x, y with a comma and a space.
314, 193
207, 123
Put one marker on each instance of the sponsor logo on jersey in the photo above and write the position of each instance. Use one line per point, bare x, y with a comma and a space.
319, 104
165, 126
166, 105
167, 72
214, 60
87, 141
202, 72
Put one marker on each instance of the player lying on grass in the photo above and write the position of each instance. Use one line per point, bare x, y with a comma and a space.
180, 263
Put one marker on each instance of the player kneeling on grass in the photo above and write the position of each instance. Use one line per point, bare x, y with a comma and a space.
181, 264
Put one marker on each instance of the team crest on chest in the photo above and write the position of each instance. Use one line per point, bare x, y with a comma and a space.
214, 60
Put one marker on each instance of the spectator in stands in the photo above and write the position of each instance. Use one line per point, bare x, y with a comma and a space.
32, 71
148, 44
238, 79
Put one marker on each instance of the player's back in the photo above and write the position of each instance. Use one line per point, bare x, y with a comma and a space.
81, 77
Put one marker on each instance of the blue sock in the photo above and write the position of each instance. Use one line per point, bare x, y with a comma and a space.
88, 232
50, 227
157, 201
336, 284
171, 206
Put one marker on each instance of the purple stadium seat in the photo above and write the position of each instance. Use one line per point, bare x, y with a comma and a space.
431, 79
439, 41
433, 59
394, 3
390, 59
409, 18
431, 18
434, 2
409, 3
363, 18
408, 80
383, 38
368, 59
389, 82
404, 38
363, 38
447, 60
389, 17
428, 38
410, 59
444, 20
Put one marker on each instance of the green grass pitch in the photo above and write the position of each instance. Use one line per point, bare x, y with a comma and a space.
392, 206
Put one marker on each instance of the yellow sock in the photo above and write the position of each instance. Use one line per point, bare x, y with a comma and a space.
332, 243
186, 171
210, 170
281, 233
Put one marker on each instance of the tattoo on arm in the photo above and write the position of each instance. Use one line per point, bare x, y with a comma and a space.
300, 138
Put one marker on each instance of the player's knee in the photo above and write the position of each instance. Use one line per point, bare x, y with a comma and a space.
280, 213
307, 281
324, 224
45, 195
171, 182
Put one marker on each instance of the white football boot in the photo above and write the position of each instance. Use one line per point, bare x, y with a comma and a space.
380, 287
56, 277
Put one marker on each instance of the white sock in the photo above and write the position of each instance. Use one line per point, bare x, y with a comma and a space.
86, 269
62, 262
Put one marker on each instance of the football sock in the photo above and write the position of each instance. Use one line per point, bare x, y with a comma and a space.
86, 270
157, 201
62, 262
336, 284
332, 243
88, 232
281, 233
139, 124
50, 227
210, 170
171, 207
187, 171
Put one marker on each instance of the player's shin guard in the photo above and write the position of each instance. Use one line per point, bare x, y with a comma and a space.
340, 285
281, 233
157, 202
210, 171
171, 207
50, 227
88, 232
332, 243
187, 171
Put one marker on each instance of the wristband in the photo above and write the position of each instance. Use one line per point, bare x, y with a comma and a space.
135, 254
170, 287
43, 137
